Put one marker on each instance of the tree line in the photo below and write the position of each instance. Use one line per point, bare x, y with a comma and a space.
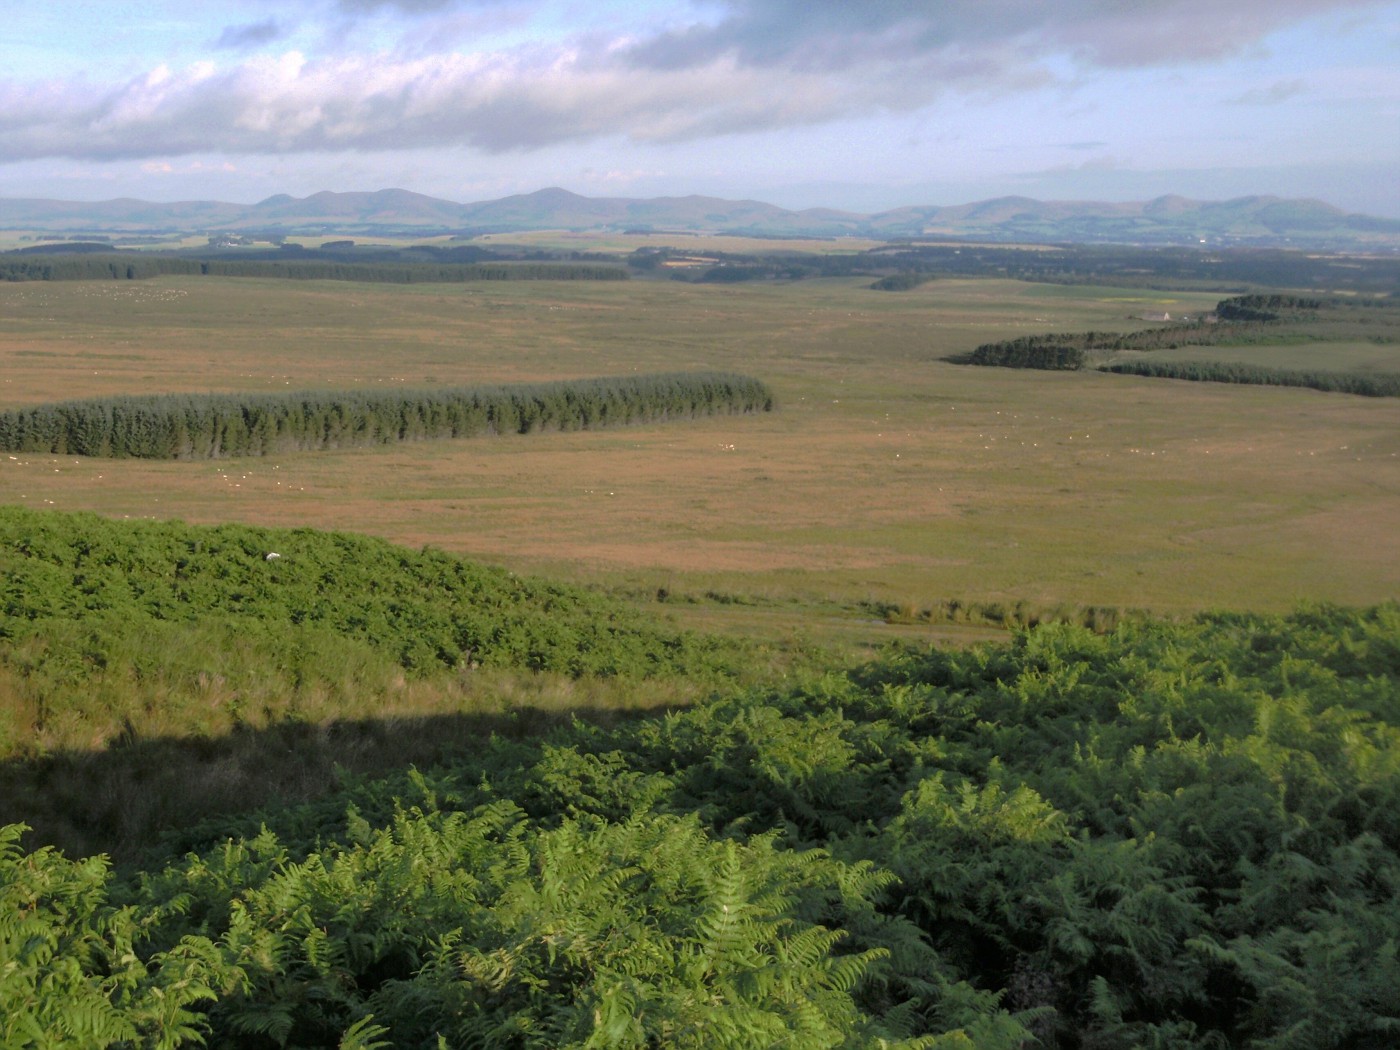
140, 266
1255, 318
209, 426
1261, 307
1364, 384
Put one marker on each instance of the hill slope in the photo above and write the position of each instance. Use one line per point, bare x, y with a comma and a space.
1165, 220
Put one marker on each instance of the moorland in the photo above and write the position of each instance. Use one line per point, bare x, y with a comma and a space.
941, 705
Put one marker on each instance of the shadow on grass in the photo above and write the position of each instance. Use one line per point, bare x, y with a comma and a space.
129, 797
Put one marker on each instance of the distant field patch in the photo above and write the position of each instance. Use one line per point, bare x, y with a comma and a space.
1354, 356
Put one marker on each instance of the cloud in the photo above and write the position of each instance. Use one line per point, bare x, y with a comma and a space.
1280, 91
494, 102
412, 7
756, 65
1109, 33
236, 38
197, 167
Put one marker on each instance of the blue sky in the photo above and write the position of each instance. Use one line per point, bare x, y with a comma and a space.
855, 104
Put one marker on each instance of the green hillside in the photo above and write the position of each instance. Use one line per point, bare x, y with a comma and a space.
1170, 835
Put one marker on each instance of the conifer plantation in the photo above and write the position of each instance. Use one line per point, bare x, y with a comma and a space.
216, 425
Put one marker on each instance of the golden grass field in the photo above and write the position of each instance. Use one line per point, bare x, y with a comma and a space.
887, 474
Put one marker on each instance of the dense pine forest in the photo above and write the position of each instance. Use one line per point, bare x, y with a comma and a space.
1166, 835
216, 425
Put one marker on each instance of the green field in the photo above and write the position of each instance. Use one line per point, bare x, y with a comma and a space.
887, 476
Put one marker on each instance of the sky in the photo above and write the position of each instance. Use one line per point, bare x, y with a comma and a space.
860, 105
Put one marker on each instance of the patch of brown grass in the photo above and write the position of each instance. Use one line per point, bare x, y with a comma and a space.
887, 474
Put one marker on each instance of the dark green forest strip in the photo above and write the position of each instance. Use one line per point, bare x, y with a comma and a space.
189, 426
1367, 385
140, 266
1069, 350
1176, 836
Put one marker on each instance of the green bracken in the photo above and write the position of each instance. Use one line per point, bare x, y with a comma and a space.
1171, 835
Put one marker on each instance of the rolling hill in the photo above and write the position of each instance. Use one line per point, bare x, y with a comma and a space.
1256, 220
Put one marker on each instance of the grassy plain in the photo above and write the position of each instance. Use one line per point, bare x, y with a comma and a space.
1357, 356
887, 475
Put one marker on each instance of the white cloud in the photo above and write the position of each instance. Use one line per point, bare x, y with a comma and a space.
756, 65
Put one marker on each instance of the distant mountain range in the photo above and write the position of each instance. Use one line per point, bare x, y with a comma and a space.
1265, 221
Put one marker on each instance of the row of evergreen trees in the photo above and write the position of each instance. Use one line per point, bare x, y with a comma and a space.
1240, 319
1069, 350
1373, 385
191, 426
135, 267
1261, 307
1054, 351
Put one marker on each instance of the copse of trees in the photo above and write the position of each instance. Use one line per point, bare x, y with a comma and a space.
181, 426
902, 281
1062, 351
1264, 307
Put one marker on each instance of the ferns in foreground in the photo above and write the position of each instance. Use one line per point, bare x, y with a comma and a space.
1171, 835
176, 426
